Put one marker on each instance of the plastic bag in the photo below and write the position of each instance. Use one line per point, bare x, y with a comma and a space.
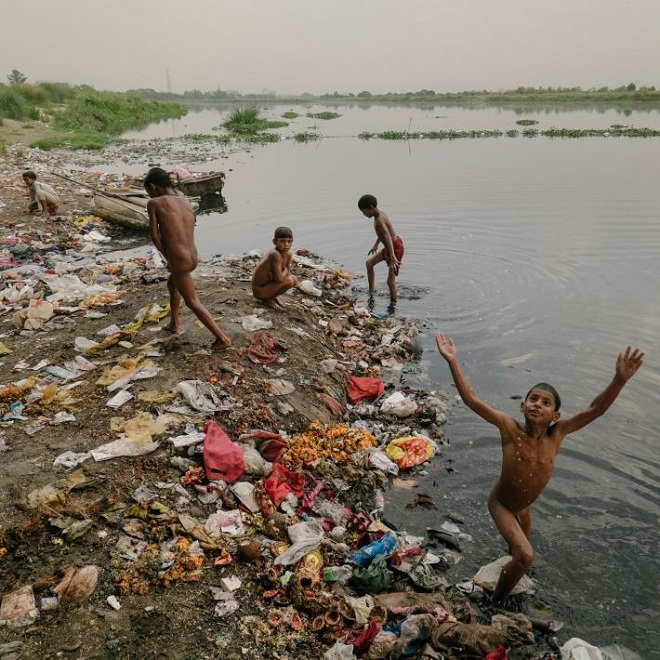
487, 576
410, 450
339, 651
578, 649
282, 481
305, 536
373, 579
254, 461
364, 387
223, 459
398, 405
382, 546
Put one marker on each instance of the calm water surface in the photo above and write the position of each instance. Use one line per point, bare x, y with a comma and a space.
541, 258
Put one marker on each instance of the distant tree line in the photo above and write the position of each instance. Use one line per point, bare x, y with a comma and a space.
624, 93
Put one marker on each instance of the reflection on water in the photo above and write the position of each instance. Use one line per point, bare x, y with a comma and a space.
541, 259
211, 203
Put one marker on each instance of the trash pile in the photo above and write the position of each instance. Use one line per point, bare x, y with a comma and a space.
252, 482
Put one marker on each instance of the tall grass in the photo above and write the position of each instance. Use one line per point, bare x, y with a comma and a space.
111, 114
12, 104
82, 117
245, 121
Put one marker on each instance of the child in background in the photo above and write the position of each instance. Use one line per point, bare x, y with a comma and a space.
392, 252
272, 276
42, 196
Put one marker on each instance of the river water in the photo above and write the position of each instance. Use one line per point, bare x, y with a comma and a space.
541, 258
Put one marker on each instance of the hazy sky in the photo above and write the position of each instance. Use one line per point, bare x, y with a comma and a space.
294, 46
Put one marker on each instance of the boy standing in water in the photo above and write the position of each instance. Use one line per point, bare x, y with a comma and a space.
392, 252
172, 223
529, 452
272, 276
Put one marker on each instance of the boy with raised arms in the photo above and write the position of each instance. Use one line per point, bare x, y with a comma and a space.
529, 451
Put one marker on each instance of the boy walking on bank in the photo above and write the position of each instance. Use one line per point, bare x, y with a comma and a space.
272, 276
529, 452
172, 224
392, 252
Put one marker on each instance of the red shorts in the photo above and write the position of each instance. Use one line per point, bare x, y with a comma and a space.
397, 244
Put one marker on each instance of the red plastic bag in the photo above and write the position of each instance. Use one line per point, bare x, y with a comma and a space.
223, 459
364, 387
282, 481
500, 654
270, 445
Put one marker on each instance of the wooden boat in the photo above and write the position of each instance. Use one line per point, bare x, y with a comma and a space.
196, 186
127, 210
128, 206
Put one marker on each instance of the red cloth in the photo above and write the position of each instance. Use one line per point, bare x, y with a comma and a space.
223, 459
500, 654
364, 387
361, 639
397, 244
270, 445
282, 481
262, 348
333, 405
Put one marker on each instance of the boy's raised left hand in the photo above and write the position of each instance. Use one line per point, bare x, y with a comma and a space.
628, 362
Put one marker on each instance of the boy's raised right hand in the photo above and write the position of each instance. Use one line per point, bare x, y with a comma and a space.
446, 347
629, 362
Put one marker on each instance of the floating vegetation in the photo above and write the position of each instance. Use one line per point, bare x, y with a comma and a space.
245, 121
624, 131
323, 115
306, 137
290, 114
429, 135
526, 122
260, 138
206, 137
613, 131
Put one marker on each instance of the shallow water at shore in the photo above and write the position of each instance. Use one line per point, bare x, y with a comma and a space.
540, 257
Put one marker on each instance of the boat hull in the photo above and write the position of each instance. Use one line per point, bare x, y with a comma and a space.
201, 185
121, 211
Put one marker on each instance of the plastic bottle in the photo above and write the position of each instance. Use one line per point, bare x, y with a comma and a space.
383, 546
339, 574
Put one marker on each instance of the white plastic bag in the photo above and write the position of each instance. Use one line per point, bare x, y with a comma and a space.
398, 405
305, 536
339, 651
577, 649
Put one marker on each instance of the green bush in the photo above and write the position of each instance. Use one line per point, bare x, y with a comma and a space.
245, 121
112, 114
58, 92
12, 104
